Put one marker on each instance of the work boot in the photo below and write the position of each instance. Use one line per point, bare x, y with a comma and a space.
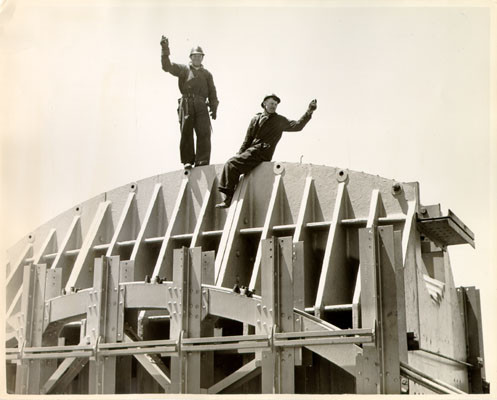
188, 166
226, 203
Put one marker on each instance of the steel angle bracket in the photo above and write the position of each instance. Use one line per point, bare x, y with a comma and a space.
205, 303
445, 230
120, 312
46, 314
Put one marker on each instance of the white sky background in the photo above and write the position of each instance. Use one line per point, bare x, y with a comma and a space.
403, 92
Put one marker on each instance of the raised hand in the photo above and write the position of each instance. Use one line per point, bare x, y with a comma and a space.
313, 105
164, 42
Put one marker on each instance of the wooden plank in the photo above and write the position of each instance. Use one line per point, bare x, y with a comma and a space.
409, 229
153, 366
374, 209
80, 274
139, 255
226, 252
342, 355
267, 313
29, 298
304, 211
165, 254
333, 268
14, 279
401, 297
68, 369
356, 299
68, 243
246, 370
122, 225
178, 309
193, 319
102, 322
285, 284
268, 223
47, 247
389, 311
203, 214
207, 325
304, 266
14, 308
474, 339
298, 293
368, 378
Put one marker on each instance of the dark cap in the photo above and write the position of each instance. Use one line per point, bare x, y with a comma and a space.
271, 96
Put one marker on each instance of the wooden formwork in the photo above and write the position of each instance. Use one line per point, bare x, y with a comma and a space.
315, 280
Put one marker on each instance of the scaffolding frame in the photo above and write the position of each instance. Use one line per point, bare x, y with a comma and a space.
376, 268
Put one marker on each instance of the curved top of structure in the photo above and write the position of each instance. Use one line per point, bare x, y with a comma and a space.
201, 179
324, 250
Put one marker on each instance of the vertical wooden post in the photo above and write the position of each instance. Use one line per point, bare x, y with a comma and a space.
277, 285
53, 286
285, 357
190, 266
102, 322
193, 289
29, 372
268, 311
378, 368
389, 327
368, 375
207, 327
474, 338
178, 310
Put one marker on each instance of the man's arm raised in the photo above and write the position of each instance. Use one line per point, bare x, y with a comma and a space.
167, 65
295, 126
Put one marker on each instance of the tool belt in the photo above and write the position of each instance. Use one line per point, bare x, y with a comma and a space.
262, 145
184, 104
193, 96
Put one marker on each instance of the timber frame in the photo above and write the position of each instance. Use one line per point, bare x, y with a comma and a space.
315, 280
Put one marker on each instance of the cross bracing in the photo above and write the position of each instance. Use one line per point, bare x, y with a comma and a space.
315, 280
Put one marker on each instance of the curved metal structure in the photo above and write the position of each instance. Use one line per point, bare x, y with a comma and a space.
315, 280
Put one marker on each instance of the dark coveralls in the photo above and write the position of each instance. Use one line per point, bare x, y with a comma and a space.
259, 145
196, 86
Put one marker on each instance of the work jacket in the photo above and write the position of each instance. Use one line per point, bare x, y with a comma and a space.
193, 82
265, 137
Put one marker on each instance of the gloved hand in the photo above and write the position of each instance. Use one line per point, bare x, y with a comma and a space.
213, 114
164, 42
312, 106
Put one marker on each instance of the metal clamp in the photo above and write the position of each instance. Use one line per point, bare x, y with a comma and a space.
94, 356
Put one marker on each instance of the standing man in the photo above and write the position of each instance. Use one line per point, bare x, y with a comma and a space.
198, 92
263, 134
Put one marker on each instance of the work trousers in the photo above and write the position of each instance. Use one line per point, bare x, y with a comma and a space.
240, 164
197, 119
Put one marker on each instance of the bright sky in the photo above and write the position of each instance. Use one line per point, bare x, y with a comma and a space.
403, 92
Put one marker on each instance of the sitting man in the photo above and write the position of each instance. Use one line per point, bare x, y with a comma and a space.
263, 134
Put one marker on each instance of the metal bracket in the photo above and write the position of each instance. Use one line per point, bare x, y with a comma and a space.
342, 175
46, 314
205, 303
445, 230
278, 168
